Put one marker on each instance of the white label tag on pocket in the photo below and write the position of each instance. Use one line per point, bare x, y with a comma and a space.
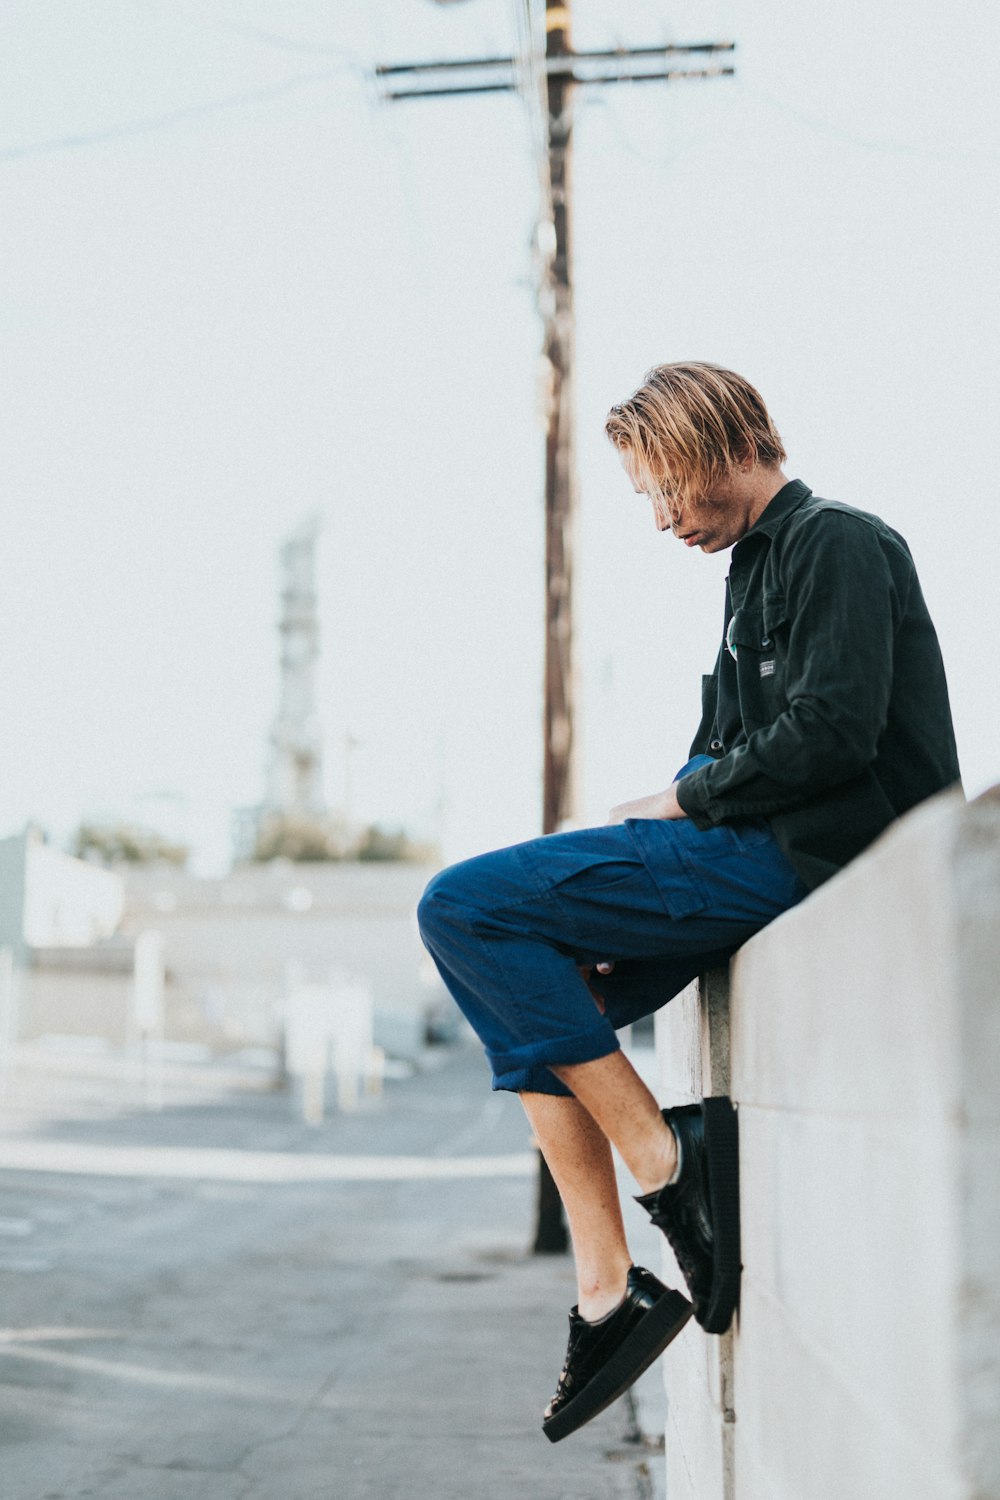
767, 668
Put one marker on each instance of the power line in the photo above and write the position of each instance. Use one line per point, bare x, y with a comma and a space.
284, 43
850, 137
570, 64
148, 125
662, 161
491, 74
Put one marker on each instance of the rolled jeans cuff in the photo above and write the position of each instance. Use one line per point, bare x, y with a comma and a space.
531, 1062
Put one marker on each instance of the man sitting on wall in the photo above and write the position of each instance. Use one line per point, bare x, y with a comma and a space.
825, 718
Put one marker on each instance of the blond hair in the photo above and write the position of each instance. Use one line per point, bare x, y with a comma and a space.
688, 425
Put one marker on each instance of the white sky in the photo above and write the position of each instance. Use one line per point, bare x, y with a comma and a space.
235, 288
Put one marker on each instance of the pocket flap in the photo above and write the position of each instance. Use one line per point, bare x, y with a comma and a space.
756, 628
746, 628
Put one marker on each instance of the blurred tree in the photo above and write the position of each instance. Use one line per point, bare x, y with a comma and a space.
126, 843
303, 839
300, 838
383, 843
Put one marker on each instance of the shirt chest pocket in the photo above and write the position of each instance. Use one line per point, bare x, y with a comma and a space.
758, 639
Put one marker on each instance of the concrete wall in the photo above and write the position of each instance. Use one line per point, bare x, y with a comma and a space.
68, 902
229, 943
231, 948
48, 898
860, 1036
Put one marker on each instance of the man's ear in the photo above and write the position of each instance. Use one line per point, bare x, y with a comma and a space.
746, 458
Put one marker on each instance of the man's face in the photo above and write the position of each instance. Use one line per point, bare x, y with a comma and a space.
712, 521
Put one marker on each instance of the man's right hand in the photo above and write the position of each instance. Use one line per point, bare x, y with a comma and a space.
586, 971
661, 805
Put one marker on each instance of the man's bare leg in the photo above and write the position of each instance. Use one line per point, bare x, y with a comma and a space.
614, 1095
579, 1159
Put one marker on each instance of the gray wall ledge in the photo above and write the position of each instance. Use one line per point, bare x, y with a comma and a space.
859, 1036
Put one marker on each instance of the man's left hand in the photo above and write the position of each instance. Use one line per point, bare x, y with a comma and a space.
659, 805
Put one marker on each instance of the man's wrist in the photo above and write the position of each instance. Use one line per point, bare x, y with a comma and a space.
671, 804
694, 799
658, 807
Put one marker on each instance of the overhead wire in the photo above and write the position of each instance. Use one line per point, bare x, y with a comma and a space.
606, 103
529, 17
269, 38
607, 15
149, 124
532, 87
382, 120
350, 64
845, 135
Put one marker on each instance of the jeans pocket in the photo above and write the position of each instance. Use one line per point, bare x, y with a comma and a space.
676, 880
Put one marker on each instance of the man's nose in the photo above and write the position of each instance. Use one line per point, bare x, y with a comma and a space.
661, 515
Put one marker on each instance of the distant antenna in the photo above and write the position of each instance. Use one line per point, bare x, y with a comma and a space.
294, 779
295, 771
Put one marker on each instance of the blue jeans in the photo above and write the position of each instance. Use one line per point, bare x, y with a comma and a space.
664, 900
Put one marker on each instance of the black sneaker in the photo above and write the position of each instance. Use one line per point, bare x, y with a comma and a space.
604, 1358
700, 1214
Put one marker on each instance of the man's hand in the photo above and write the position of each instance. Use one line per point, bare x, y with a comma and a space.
660, 805
585, 971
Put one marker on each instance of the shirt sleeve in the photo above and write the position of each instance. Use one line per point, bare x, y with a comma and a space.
843, 611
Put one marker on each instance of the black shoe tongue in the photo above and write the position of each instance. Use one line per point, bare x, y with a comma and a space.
648, 1200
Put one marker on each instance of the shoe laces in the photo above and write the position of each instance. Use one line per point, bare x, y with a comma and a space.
683, 1226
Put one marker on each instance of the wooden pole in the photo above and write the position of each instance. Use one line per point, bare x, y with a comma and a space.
564, 71
560, 456
558, 786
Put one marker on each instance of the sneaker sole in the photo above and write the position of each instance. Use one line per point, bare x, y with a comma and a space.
722, 1149
659, 1327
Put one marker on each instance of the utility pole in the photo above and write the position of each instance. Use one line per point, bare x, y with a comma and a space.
559, 743
558, 785
549, 78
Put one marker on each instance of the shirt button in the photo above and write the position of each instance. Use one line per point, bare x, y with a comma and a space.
715, 745
765, 641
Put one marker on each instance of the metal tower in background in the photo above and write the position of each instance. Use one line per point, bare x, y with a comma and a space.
292, 816
295, 768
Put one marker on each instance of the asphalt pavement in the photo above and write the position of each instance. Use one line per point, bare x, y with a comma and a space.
217, 1300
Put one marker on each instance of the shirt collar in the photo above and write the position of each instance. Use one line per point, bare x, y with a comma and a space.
779, 508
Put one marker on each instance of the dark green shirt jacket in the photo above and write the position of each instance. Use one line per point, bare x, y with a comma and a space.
827, 712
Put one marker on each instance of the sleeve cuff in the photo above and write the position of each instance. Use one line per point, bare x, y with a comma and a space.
691, 795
